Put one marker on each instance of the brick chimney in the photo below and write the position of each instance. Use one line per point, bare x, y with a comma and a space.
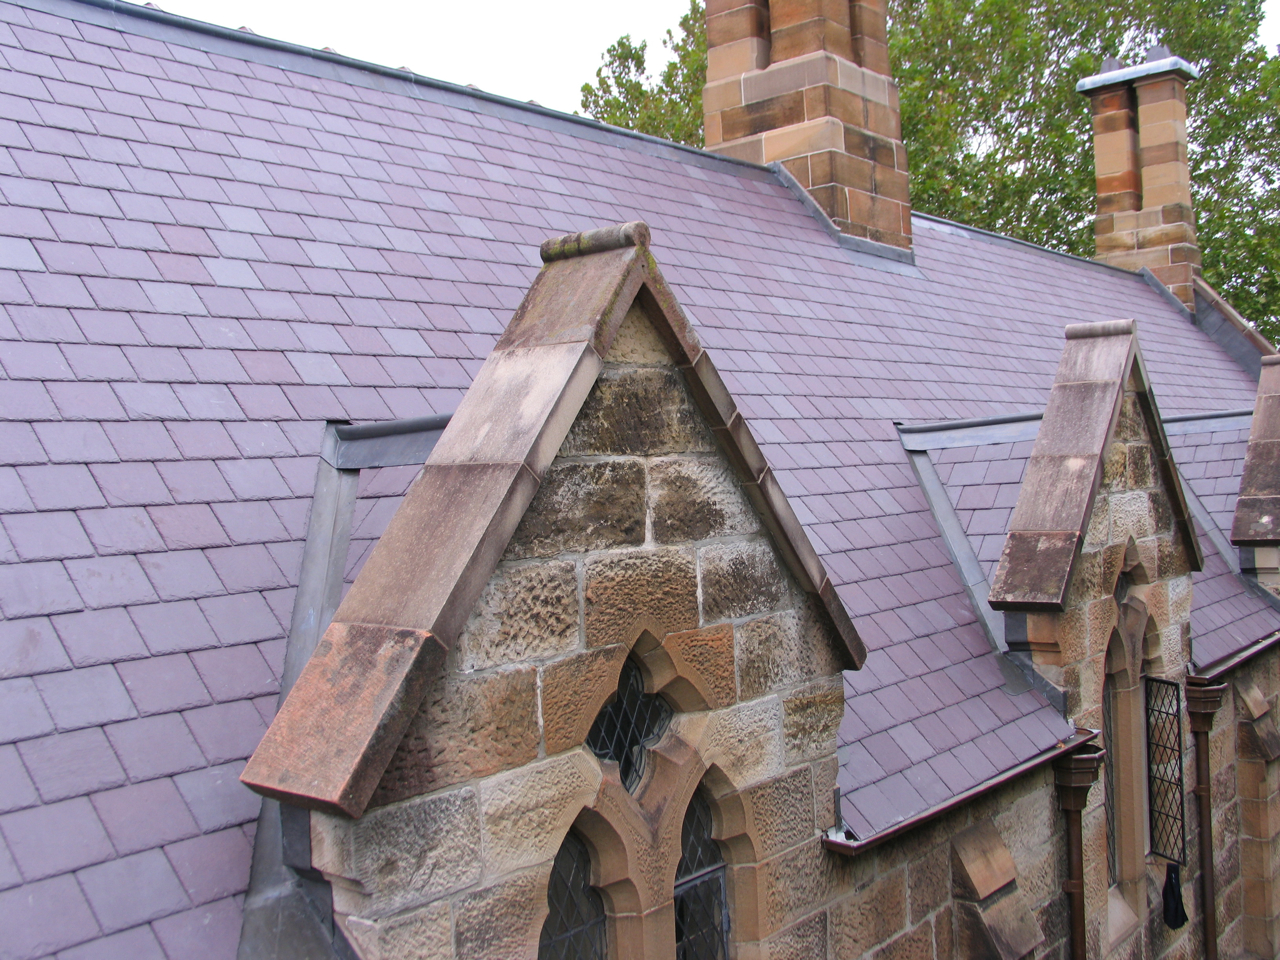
1145, 217
806, 83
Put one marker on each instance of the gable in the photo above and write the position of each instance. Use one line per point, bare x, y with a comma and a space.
546, 415
1100, 429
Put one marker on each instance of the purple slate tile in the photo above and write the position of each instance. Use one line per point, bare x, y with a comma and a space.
139, 943
145, 815
85, 697
81, 401
29, 647
246, 568
181, 574
22, 712
155, 746
188, 525
212, 866
141, 441
71, 764
75, 442
217, 798
203, 440
235, 673
210, 932
195, 481
121, 530
56, 838
254, 479
208, 401
171, 627
99, 636
34, 361
162, 684
20, 444
150, 401
47, 536
133, 890
41, 918
241, 618
10, 876
226, 731
252, 522
109, 581
61, 487
16, 789
13, 495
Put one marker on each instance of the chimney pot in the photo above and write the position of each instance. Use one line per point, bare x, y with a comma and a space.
1158, 52
1111, 64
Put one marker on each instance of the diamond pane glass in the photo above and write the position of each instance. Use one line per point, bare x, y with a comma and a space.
632, 721
702, 917
1109, 775
1164, 770
575, 926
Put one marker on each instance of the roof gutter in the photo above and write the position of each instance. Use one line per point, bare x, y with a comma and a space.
1218, 668
836, 839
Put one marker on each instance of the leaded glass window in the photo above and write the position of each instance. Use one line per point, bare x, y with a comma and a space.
628, 725
702, 913
575, 926
1164, 770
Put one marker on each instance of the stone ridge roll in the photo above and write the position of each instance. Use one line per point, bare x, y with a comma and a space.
1103, 328
634, 234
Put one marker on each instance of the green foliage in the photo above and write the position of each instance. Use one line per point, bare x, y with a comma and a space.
997, 136
626, 96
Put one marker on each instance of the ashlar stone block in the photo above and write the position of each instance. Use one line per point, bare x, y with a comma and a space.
427, 932
502, 921
638, 411
626, 592
740, 579
696, 498
811, 718
573, 691
527, 612
782, 649
583, 506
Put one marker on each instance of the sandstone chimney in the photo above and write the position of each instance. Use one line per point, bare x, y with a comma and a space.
1145, 217
806, 83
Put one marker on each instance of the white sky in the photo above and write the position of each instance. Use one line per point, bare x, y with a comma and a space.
541, 50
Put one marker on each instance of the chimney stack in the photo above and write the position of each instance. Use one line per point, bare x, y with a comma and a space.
806, 83
1145, 217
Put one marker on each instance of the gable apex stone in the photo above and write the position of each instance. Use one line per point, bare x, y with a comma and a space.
1257, 517
427, 572
1065, 471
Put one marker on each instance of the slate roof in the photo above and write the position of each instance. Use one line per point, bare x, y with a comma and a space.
209, 246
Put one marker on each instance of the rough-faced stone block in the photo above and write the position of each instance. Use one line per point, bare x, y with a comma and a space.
1003, 930
745, 742
582, 507
780, 650
802, 941
981, 863
427, 932
870, 916
637, 342
654, 590
338, 728
404, 855
468, 726
573, 691
740, 579
527, 612
504, 920
928, 882
695, 498
528, 811
638, 411
811, 718
780, 812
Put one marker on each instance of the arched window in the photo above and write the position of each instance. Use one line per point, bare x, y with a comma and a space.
628, 724
575, 926
702, 913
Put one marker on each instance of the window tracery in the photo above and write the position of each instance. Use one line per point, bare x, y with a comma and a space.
702, 913
628, 725
575, 924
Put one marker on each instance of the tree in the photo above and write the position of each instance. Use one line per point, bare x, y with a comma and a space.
626, 96
998, 138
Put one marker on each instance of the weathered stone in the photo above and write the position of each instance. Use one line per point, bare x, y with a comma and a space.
695, 668
740, 579
811, 717
407, 854
745, 743
803, 941
1002, 930
527, 612
638, 411
928, 882
695, 498
573, 690
654, 590
528, 811
871, 916
1130, 516
1142, 466
780, 812
792, 882
914, 945
468, 726
427, 932
1114, 464
780, 650
502, 921
583, 506
637, 342
981, 862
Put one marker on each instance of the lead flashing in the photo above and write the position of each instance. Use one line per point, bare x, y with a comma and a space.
1141, 71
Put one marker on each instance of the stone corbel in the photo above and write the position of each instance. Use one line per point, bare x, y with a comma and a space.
993, 921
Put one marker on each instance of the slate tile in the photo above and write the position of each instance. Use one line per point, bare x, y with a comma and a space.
61, 486
162, 684
141, 441
173, 627
235, 673
108, 581
254, 479
217, 798
246, 568
71, 764
30, 646
195, 481
212, 866
34, 361
208, 401
145, 815
99, 636
56, 838
84, 697
20, 445
140, 943
211, 931
187, 525
150, 401
42, 918
32, 589
133, 890
16, 789
154, 746
121, 530
75, 442
226, 731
